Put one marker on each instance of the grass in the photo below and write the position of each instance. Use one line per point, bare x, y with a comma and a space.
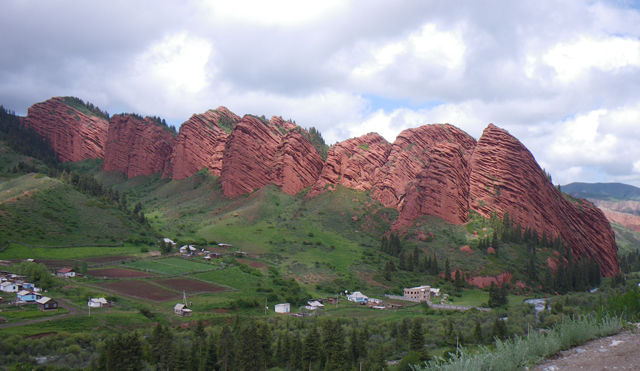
187, 264
522, 352
28, 312
153, 266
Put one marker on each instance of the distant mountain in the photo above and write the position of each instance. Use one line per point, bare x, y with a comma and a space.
603, 191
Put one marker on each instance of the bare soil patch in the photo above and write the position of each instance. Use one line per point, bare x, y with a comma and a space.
50, 263
117, 273
253, 263
189, 286
617, 352
141, 289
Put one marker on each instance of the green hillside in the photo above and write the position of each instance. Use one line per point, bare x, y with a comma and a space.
603, 191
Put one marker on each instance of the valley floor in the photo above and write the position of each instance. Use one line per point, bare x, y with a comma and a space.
617, 352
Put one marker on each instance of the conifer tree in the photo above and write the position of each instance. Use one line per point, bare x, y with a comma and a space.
416, 342
311, 349
226, 353
447, 270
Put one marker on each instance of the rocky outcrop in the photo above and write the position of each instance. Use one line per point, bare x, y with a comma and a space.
353, 163
505, 177
260, 152
75, 134
627, 207
201, 143
137, 146
297, 163
629, 221
427, 173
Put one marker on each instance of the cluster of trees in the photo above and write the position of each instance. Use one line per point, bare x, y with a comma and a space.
412, 262
87, 107
505, 230
249, 346
38, 274
391, 244
582, 275
630, 262
89, 185
497, 295
23, 167
25, 140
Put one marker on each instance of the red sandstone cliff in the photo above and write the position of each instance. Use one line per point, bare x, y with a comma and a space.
427, 173
75, 135
353, 163
201, 143
260, 152
506, 177
137, 147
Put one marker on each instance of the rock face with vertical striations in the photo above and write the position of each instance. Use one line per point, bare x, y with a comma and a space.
353, 163
137, 146
297, 163
74, 132
201, 143
260, 152
426, 164
506, 177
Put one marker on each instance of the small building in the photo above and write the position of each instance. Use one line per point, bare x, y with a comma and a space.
240, 254
46, 304
182, 310
357, 297
215, 255
9, 286
28, 296
66, 273
207, 257
283, 308
421, 292
313, 305
97, 302
188, 249
225, 245
5, 263
27, 286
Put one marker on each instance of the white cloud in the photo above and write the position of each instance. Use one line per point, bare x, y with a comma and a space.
573, 60
178, 63
271, 13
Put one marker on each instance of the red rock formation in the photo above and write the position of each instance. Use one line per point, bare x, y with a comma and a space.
74, 135
506, 177
410, 155
137, 147
287, 125
353, 163
260, 152
201, 143
298, 163
630, 221
441, 188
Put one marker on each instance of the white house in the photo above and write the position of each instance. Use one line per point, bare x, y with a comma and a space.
357, 297
314, 304
169, 241
9, 286
66, 273
187, 249
97, 302
182, 310
283, 308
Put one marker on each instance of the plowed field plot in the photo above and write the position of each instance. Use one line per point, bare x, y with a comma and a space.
141, 289
253, 263
189, 286
187, 264
117, 273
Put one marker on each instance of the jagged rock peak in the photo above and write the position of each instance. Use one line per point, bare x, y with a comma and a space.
74, 131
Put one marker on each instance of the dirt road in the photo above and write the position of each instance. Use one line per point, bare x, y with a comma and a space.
617, 352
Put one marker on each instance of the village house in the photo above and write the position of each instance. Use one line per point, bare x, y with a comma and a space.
225, 246
168, 241
357, 297
182, 310
240, 254
9, 286
46, 303
66, 273
28, 296
283, 308
188, 249
421, 293
97, 302
313, 305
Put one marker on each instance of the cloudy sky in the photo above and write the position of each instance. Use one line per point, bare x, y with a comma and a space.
562, 76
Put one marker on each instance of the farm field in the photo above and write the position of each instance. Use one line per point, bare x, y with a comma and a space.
189, 286
107, 259
232, 276
117, 273
154, 266
187, 264
140, 289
